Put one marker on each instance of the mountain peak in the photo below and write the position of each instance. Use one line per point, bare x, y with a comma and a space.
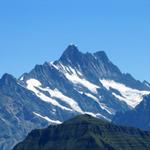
101, 55
71, 49
85, 118
7, 79
72, 46
71, 53
7, 76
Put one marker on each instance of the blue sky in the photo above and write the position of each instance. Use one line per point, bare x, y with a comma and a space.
35, 31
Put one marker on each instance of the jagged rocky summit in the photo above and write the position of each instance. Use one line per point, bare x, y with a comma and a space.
77, 83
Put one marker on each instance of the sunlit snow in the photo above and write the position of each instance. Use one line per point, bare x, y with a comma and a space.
131, 96
48, 119
102, 106
33, 85
22, 78
75, 77
57, 94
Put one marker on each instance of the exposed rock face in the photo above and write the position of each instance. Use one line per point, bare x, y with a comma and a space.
138, 117
51, 93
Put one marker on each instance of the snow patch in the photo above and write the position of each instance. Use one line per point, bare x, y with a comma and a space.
48, 119
147, 84
57, 94
109, 110
75, 76
131, 96
21, 79
92, 96
102, 106
33, 85
97, 115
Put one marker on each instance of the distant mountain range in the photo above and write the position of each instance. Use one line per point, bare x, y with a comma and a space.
77, 83
86, 133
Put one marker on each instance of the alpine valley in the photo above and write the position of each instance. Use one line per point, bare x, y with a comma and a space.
77, 83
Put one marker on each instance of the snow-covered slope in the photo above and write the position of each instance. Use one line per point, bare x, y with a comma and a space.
77, 83
35, 86
131, 96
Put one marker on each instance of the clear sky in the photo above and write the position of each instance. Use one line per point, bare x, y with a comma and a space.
35, 31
